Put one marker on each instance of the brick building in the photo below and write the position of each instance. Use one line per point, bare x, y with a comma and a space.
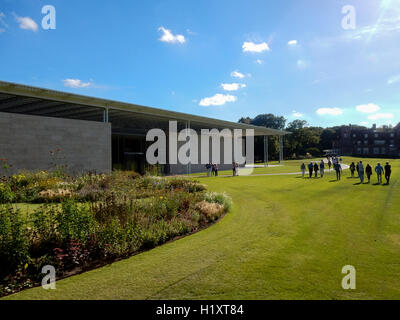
373, 142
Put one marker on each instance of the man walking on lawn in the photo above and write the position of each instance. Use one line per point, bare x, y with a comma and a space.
338, 169
368, 172
388, 172
379, 171
322, 168
310, 169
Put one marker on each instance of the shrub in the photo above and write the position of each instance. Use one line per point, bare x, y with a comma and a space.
6, 194
220, 198
211, 211
100, 218
75, 222
14, 243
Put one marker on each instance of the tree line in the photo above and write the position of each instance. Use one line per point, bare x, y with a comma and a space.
303, 141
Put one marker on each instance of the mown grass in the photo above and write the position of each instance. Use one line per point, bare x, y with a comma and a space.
285, 238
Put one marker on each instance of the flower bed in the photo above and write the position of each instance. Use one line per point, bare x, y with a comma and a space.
94, 219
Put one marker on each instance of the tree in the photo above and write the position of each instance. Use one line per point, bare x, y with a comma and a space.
327, 136
269, 121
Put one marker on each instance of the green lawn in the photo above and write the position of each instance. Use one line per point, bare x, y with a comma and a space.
286, 238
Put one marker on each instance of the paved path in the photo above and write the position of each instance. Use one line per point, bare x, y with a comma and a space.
344, 167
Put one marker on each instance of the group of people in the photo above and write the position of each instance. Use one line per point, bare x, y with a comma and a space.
380, 171
314, 168
212, 170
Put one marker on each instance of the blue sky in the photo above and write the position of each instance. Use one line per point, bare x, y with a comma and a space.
222, 59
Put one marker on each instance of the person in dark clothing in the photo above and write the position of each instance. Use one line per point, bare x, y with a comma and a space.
212, 169
329, 163
316, 168
352, 169
216, 170
310, 169
368, 172
388, 172
338, 169
358, 167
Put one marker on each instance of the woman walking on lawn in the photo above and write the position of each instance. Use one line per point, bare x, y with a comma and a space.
368, 172
379, 171
316, 168
361, 171
352, 169
303, 169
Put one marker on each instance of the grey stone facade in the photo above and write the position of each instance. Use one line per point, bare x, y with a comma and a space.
26, 142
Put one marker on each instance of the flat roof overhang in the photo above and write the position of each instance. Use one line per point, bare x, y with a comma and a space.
57, 103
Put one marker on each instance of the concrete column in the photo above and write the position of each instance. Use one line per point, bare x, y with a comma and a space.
280, 149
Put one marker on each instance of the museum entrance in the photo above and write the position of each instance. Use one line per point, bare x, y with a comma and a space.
129, 153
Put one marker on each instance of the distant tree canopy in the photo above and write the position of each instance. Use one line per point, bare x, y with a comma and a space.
266, 120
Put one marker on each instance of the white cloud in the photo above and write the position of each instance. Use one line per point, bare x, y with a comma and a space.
301, 64
393, 79
26, 23
330, 111
380, 116
368, 108
232, 86
3, 21
76, 83
2, 30
292, 42
169, 37
237, 74
297, 114
259, 61
364, 123
217, 100
253, 47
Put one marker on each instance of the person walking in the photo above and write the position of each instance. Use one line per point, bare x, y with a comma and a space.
234, 169
212, 169
329, 163
338, 169
316, 168
379, 171
352, 169
361, 171
310, 169
368, 172
388, 172
303, 169
358, 168
208, 168
216, 170
322, 168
